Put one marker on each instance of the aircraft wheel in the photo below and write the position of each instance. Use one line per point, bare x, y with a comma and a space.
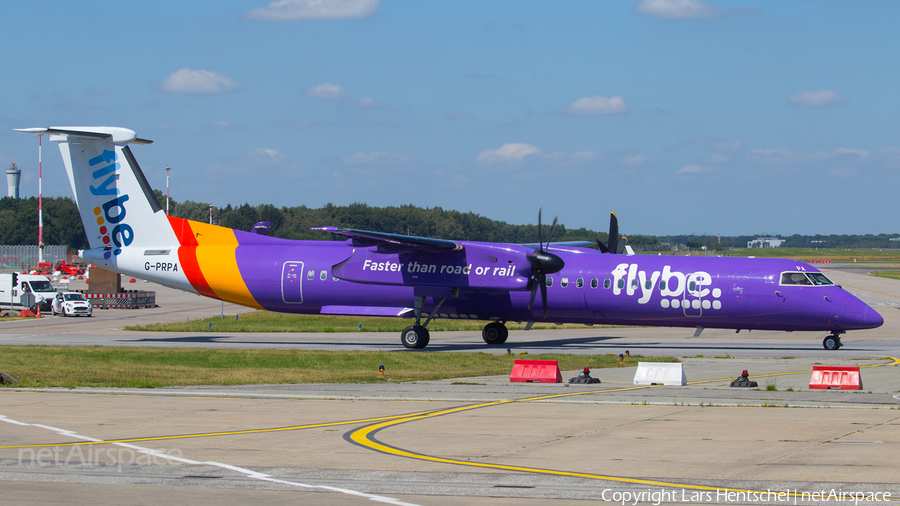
495, 333
832, 343
415, 336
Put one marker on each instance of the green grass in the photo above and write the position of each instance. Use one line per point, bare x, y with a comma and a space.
266, 321
98, 366
886, 274
833, 254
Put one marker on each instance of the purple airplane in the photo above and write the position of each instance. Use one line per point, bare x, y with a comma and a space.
380, 274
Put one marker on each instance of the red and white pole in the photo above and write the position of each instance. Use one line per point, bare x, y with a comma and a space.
40, 203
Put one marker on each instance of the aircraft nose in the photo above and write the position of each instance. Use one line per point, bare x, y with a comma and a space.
860, 316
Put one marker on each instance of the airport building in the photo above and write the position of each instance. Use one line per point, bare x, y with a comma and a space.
765, 242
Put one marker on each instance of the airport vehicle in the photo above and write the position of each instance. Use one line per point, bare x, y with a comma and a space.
71, 304
35, 287
62, 266
382, 274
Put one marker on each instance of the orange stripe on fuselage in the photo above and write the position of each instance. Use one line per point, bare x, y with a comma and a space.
208, 256
187, 254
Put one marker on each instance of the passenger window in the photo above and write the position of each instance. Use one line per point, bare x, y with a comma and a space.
693, 286
634, 283
323, 276
549, 281
662, 285
607, 283
579, 282
648, 284
563, 282
595, 282
621, 284
310, 275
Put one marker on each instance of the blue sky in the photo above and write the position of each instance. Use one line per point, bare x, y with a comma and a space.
731, 117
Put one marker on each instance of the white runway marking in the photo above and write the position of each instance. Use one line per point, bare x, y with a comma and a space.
246, 472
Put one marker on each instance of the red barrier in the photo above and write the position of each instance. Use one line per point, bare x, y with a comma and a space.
541, 371
845, 378
818, 261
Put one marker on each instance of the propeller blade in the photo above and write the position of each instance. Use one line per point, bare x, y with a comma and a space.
613, 233
620, 248
544, 293
551, 233
533, 293
540, 234
603, 248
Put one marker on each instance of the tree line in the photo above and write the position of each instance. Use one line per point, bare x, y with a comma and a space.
62, 225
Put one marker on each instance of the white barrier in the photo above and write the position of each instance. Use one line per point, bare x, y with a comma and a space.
660, 373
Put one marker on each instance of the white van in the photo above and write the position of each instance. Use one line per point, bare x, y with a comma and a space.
25, 290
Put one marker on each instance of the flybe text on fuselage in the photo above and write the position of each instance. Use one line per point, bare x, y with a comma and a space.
112, 212
670, 285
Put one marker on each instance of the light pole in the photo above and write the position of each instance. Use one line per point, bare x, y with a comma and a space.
167, 189
40, 204
210, 214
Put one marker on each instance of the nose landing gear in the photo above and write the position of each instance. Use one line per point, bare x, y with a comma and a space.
832, 342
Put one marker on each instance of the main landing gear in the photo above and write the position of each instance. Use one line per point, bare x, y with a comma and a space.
416, 336
832, 342
495, 333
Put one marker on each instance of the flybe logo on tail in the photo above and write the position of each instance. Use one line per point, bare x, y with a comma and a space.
110, 214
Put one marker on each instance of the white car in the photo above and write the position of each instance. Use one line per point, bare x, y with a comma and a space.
71, 304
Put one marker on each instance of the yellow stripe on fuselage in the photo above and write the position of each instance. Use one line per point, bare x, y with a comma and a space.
218, 263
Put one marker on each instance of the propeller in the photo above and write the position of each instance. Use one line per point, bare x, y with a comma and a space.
542, 263
615, 244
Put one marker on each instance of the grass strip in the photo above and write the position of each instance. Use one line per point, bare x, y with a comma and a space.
101, 366
266, 321
886, 274
833, 254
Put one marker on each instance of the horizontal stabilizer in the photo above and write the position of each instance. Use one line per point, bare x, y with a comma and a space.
116, 135
389, 242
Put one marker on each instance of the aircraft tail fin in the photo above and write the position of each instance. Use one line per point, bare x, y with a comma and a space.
115, 201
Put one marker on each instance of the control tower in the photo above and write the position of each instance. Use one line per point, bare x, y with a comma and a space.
13, 175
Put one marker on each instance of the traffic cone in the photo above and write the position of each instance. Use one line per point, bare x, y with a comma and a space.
39, 311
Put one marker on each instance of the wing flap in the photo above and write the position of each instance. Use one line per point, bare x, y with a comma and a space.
393, 242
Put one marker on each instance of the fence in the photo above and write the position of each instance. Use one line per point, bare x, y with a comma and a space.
26, 257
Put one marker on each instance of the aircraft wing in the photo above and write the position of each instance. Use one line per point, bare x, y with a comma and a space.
393, 242
564, 244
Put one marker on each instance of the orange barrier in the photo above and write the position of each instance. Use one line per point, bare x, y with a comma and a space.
540, 371
845, 378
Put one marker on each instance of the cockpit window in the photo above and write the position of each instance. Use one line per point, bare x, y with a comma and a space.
794, 278
819, 279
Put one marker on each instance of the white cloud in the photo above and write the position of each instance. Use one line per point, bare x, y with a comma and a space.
890, 155
788, 156
366, 102
257, 162
507, 152
325, 90
693, 169
198, 82
842, 172
679, 9
718, 158
220, 125
633, 159
598, 104
295, 10
376, 158
819, 98
860, 154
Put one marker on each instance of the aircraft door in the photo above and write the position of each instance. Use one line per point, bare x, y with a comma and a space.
292, 282
692, 302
